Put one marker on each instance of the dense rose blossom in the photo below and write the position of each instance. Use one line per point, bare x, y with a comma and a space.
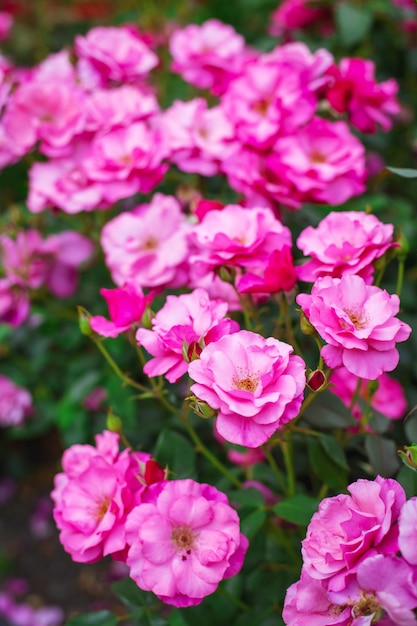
345, 242
126, 306
184, 539
6, 23
138, 253
209, 56
358, 323
354, 90
279, 274
237, 237
15, 403
31, 261
346, 528
388, 399
93, 495
184, 322
197, 138
324, 161
115, 53
256, 383
275, 94
14, 303
107, 109
408, 530
294, 14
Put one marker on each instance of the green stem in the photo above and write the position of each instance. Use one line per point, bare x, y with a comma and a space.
124, 377
286, 447
400, 278
209, 456
275, 468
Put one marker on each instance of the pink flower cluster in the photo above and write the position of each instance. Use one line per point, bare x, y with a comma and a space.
31, 262
359, 560
179, 538
357, 321
256, 385
19, 613
15, 403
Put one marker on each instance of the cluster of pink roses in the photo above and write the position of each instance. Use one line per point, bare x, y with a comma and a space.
98, 123
179, 538
359, 560
31, 262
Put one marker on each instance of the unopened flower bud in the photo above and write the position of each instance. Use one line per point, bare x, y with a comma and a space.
114, 423
84, 321
317, 381
153, 472
305, 325
227, 273
146, 321
202, 409
409, 456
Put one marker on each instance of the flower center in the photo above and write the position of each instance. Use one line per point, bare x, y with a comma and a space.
102, 507
150, 244
183, 539
367, 605
248, 383
358, 317
317, 157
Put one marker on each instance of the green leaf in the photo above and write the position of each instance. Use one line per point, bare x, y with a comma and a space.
297, 509
353, 24
249, 497
174, 450
328, 411
252, 523
129, 593
100, 618
334, 450
176, 618
382, 454
325, 467
405, 172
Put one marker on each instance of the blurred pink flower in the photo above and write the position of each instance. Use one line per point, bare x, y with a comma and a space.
296, 14
185, 538
358, 323
15, 403
279, 274
256, 383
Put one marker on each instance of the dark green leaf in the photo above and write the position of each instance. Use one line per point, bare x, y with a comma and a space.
174, 450
382, 454
130, 594
297, 509
100, 618
249, 497
252, 523
176, 618
353, 24
328, 411
325, 467
334, 450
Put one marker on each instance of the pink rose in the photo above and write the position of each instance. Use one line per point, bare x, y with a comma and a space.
185, 322
347, 528
14, 303
358, 323
279, 274
256, 383
184, 539
344, 242
295, 14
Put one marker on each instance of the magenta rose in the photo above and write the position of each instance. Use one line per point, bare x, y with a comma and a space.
256, 384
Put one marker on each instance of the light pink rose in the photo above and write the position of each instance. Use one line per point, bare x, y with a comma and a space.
185, 538
27, 258
71, 250
256, 383
347, 528
115, 53
93, 495
15, 403
408, 531
358, 323
209, 56
354, 90
120, 106
187, 323
6, 23
126, 307
345, 242
137, 252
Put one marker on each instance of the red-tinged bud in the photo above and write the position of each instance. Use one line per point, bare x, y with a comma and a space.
409, 456
202, 409
153, 472
317, 381
194, 351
